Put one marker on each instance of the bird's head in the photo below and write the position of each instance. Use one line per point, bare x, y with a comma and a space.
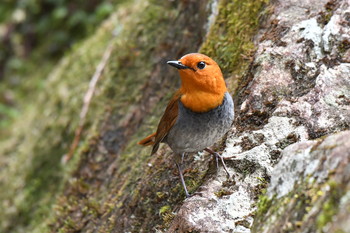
202, 83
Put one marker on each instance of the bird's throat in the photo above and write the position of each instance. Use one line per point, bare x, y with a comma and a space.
202, 101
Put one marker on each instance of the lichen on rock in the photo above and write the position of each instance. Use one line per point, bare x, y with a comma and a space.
292, 92
309, 187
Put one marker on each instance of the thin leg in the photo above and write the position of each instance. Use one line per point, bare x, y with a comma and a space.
217, 157
217, 161
182, 157
182, 179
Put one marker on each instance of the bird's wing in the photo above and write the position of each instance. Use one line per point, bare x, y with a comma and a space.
165, 124
167, 121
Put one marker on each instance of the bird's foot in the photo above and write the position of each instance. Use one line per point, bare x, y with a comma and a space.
200, 194
217, 158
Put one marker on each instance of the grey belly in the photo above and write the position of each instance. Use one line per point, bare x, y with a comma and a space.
195, 131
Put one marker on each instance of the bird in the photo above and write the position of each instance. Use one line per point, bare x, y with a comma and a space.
199, 114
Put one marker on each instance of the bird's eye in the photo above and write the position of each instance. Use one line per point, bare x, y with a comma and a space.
201, 65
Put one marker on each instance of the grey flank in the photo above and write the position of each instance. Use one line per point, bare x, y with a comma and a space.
193, 131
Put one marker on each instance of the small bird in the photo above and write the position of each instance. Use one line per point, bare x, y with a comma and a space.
199, 113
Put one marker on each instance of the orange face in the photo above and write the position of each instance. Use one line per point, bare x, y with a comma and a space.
203, 86
202, 74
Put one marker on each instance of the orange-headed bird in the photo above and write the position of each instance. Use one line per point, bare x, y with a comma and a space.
198, 115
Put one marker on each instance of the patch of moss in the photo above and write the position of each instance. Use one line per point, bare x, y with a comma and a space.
322, 198
274, 211
264, 203
164, 209
331, 206
230, 39
167, 218
246, 166
223, 192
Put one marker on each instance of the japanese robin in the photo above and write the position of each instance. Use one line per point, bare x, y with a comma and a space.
199, 113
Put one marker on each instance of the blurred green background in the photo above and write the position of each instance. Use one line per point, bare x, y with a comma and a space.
34, 34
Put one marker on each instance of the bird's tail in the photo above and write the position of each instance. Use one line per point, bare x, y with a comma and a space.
147, 141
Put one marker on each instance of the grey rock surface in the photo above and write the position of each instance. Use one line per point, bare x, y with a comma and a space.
309, 190
296, 92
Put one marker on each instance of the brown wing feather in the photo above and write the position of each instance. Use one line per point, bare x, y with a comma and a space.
165, 124
167, 121
147, 141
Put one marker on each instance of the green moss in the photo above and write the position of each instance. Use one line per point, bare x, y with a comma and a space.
331, 206
230, 39
167, 215
161, 195
264, 204
223, 192
322, 198
164, 209
167, 218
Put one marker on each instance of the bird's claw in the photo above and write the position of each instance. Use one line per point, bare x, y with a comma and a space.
194, 194
217, 157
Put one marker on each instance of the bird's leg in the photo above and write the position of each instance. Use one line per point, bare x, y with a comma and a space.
217, 157
182, 179
217, 161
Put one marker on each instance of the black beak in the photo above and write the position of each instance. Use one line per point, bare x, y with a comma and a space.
177, 64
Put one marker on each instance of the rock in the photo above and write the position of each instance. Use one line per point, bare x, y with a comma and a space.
297, 89
309, 190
